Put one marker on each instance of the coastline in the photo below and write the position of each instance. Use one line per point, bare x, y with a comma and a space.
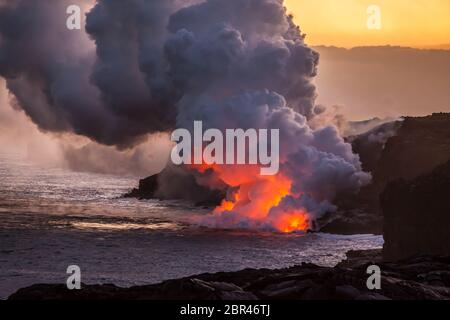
417, 278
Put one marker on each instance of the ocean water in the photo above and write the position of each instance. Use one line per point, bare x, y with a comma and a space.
51, 218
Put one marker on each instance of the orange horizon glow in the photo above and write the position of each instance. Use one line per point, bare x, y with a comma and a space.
343, 23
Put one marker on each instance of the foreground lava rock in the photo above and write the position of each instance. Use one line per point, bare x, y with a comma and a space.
417, 215
417, 278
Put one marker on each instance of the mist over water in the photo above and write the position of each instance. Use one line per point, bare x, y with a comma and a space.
51, 218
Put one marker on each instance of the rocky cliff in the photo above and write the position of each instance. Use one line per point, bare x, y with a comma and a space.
399, 150
417, 215
420, 145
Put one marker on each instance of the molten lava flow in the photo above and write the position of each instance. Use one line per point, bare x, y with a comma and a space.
255, 196
292, 221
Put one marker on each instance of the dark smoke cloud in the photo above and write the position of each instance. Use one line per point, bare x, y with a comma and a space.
130, 69
64, 86
141, 60
242, 44
21, 137
47, 68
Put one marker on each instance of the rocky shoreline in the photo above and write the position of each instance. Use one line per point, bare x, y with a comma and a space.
417, 278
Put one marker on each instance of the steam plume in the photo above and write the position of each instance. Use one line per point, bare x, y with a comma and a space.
158, 65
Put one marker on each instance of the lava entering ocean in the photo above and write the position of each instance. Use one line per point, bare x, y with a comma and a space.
234, 64
253, 198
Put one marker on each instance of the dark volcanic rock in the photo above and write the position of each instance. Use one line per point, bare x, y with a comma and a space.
175, 183
418, 278
147, 188
417, 215
351, 221
419, 145
369, 145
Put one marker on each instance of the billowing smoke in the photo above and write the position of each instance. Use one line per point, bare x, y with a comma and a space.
151, 66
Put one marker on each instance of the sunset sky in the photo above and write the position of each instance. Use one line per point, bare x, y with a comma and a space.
415, 23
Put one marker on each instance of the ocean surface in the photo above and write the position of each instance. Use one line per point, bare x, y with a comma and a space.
51, 218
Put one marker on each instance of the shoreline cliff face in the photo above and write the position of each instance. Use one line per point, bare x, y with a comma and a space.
413, 279
420, 145
401, 150
417, 215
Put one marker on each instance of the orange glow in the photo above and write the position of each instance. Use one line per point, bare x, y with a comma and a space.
256, 195
225, 206
294, 221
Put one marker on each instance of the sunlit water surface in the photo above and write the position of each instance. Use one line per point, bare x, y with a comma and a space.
51, 218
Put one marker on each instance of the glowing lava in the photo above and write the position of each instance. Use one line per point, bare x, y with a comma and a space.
293, 221
255, 196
